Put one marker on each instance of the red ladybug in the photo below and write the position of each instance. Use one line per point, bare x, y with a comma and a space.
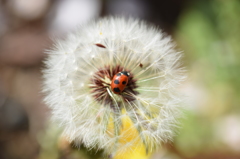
119, 82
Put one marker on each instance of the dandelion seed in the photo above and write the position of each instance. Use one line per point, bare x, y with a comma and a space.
78, 78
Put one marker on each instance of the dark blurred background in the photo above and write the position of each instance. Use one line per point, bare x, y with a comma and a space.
207, 30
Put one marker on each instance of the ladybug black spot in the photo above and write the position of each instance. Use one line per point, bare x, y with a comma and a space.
116, 81
124, 82
116, 90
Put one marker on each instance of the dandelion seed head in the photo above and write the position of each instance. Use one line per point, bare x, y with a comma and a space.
77, 82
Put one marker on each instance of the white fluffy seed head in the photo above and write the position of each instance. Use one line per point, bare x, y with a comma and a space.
79, 71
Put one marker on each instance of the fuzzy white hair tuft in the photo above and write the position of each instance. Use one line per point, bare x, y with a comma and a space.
105, 45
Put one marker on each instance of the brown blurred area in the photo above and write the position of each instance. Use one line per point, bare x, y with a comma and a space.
23, 37
27, 28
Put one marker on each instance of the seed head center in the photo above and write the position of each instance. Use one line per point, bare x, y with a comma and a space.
100, 85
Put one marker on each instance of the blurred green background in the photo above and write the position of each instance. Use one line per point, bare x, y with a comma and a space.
207, 31
209, 34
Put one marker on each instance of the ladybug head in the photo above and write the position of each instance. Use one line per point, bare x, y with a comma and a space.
125, 73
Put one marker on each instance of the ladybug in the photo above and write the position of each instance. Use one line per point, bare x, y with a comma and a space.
119, 82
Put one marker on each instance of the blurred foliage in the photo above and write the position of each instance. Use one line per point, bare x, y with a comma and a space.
209, 34
55, 146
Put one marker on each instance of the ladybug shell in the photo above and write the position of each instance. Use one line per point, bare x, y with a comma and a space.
119, 82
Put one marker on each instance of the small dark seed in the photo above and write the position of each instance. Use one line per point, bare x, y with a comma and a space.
100, 45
